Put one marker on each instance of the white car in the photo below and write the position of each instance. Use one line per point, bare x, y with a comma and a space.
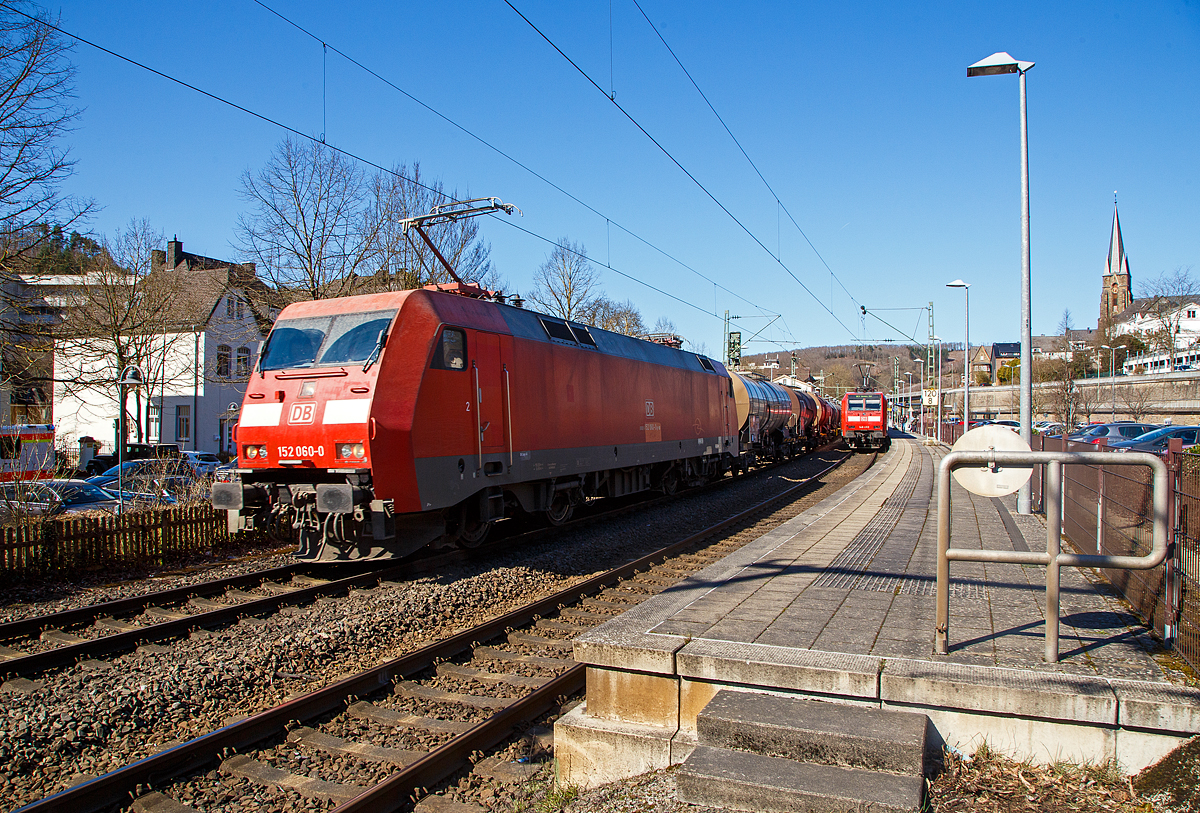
204, 463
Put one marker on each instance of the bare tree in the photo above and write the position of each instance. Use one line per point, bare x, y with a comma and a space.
309, 229
1137, 399
122, 314
1064, 398
1168, 294
566, 284
36, 111
404, 262
619, 317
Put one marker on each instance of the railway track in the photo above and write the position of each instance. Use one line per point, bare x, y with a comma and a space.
434, 707
34, 645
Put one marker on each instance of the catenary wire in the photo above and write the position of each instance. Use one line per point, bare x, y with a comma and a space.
681, 167
497, 150
308, 137
746, 155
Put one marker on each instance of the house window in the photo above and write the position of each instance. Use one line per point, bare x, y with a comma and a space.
229, 306
1191, 314
241, 311
154, 423
222, 361
243, 362
183, 423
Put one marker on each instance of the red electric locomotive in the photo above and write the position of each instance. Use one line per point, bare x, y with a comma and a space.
865, 420
375, 424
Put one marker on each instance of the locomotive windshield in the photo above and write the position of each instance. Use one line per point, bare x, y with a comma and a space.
864, 404
317, 341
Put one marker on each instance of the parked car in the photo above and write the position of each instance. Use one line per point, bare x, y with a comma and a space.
153, 467
1111, 432
1156, 441
133, 451
227, 472
1013, 425
54, 497
204, 463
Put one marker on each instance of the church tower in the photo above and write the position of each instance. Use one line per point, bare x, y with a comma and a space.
1115, 294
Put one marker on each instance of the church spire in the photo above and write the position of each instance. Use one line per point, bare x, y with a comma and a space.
1116, 290
1117, 262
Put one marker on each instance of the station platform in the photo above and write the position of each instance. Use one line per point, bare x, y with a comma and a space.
838, 604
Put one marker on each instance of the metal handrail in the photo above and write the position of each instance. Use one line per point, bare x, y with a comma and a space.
1052, 559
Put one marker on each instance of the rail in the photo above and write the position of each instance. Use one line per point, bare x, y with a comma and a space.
1053, 558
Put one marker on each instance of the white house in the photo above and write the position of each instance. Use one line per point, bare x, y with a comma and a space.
195, 370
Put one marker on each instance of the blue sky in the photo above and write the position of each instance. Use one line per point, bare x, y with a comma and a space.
903, 173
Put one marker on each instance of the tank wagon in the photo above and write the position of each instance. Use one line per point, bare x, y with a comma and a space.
865, 420
374, 425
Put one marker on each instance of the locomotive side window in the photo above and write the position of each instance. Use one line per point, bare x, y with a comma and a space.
558, 330
583, 335
10, 447
451, 352
706, 364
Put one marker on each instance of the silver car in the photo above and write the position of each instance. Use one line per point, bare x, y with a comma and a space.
53, 497
204, 463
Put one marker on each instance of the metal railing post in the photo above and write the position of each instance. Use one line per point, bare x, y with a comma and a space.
942, 630
1054, 496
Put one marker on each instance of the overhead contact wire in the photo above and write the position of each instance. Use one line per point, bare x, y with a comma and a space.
681, 167
750, 160
307, 137
499, 151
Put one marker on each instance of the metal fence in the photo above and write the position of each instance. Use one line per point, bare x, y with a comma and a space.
1107, 510
148, 538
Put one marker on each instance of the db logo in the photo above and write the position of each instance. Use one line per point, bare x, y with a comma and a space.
302, 413
649, 409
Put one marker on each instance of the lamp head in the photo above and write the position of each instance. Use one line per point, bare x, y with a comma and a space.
958, 283
131, 376
999, 62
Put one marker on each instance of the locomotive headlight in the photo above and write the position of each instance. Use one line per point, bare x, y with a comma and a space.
251, 452
351, 451
359, 451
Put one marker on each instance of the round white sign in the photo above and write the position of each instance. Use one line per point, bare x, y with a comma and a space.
992, 481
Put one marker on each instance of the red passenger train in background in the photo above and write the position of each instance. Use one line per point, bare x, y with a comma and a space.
374, 425
865, 420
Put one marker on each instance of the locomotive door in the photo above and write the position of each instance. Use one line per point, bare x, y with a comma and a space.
490, 393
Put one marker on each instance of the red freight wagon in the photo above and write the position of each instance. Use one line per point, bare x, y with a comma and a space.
865, 420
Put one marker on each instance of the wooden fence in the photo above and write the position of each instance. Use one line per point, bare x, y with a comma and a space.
148, 538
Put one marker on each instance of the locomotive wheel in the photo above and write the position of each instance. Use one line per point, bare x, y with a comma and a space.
560, 510
670, 482
473, 534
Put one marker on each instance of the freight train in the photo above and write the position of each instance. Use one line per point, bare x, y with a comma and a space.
375, 425
865, 420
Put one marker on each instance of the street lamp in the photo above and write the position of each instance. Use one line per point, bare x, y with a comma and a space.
966, 286
999, 63
1112, 363
131, 376
938, 339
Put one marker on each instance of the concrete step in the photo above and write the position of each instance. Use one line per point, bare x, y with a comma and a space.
811, 731
739, 780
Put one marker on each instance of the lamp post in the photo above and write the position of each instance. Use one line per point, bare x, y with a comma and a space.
966, 286
908, 400
938, 339
999, 63
1112, 363
131, 376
